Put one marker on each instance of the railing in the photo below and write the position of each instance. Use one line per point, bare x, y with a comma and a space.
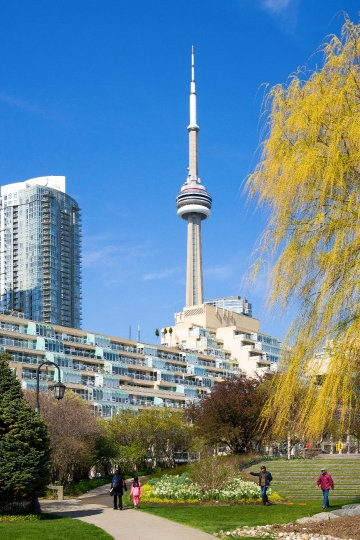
171, 367
79, 352
168, 356
32, 375
205, 363
92, 369
139, 401
142, 377
172, 405
13, 328
186, 457
126, 348
88, 382
132, 361
17, 343
188, 382
12, 313
72, 339
27, 359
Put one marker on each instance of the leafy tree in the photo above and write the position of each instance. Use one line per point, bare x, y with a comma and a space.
170, 333
157, 334
308, 178
153, 434
74, 434
229, 415
131, 457
24, 441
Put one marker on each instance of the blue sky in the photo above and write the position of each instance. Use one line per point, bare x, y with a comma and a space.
98, 91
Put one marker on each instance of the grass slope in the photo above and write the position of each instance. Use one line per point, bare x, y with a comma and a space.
215, 518
54, 529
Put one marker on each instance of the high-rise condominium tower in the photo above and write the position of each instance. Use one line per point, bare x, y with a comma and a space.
40, 251
194, 205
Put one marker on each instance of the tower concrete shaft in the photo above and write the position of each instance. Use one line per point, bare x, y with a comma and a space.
194, 277
194, 205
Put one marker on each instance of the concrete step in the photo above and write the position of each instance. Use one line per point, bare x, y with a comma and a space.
299, 497
337, 483
314, 490
311, 477
296, 479
338, 464
314, 463
311, 474
337, 456
346, 471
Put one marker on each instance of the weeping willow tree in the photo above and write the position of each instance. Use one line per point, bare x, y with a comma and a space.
308, 177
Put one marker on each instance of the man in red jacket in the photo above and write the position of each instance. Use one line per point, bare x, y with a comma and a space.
326, 483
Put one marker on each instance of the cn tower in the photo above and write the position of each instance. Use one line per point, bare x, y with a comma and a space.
193, 205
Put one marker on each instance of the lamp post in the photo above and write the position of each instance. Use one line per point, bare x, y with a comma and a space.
58, 389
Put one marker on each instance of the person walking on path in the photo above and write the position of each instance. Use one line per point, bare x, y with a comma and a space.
118, 486
326, 483
265, 478
136, 492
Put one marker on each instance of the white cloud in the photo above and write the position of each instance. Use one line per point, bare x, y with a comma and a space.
276, 5
105, 254
220, 272
284, 12
119, 211
160, 275
26, 106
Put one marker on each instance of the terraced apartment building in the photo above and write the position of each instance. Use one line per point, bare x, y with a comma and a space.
110, 372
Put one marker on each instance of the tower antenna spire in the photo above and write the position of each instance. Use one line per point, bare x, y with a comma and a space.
193, 128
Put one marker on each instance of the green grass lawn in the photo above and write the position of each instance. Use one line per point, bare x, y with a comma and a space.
83, 486
215, 518
51, 529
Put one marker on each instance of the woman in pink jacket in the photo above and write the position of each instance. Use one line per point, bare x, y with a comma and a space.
326, 483
136, 491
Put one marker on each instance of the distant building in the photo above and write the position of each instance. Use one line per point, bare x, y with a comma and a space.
40, 255
224, 334
110, 373
233, 303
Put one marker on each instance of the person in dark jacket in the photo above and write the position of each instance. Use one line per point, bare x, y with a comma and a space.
265, 478
118, 486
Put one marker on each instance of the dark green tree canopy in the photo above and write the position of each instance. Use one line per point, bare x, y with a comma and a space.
24, 441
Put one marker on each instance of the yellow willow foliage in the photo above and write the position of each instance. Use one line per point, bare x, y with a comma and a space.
309, 177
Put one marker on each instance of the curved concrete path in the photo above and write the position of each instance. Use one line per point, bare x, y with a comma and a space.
122, 524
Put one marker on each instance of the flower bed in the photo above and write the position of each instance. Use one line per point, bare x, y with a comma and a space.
179, 489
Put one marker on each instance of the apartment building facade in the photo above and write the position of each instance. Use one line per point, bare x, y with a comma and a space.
109, 373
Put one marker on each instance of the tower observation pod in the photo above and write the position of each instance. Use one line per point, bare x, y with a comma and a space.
193, 205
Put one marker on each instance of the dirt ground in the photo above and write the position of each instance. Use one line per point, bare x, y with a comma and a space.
342, 527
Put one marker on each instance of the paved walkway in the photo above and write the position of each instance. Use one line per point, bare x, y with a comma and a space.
126, 524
